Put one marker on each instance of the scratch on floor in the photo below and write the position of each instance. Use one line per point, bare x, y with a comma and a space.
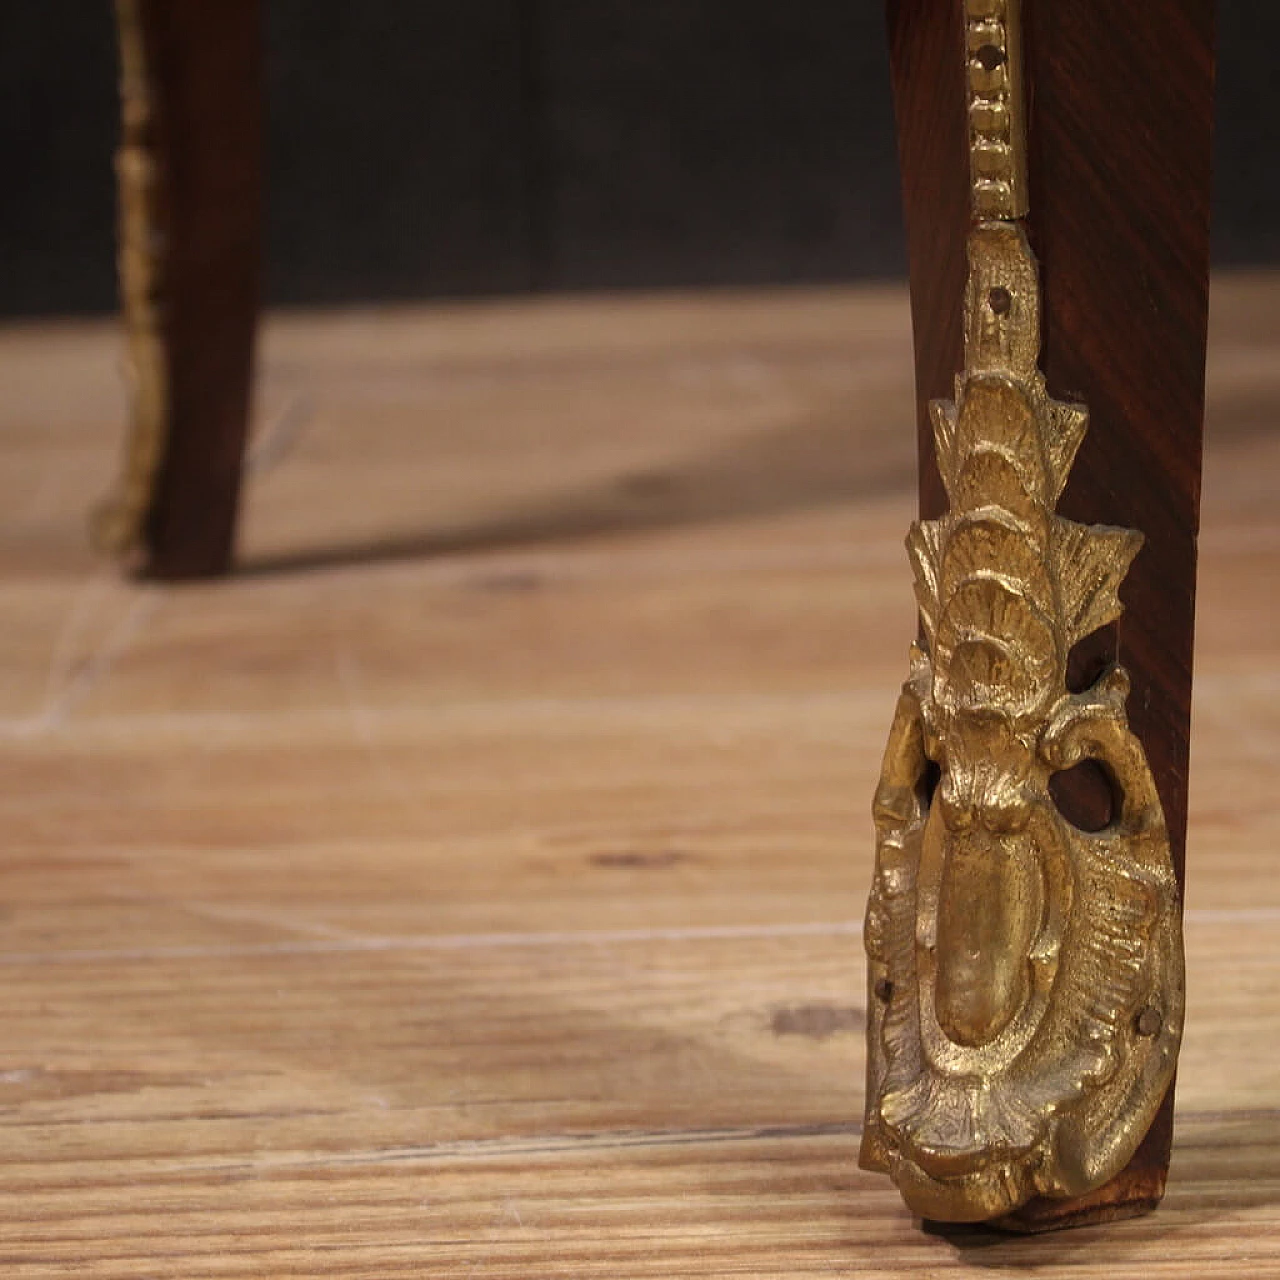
62, 653
70, 680
266, 919
280, 433
364, 728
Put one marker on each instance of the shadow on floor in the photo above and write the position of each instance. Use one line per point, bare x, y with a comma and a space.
819, 461
1225, 1164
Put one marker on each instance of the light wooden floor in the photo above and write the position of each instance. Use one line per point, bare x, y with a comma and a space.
472, 886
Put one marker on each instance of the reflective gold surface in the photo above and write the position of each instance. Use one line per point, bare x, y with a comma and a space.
1025, 975
997, 136
118, 522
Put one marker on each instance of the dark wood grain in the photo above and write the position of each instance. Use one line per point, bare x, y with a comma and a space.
206, 61
1119, 135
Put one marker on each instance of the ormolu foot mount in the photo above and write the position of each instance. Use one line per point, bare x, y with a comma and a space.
1025, 979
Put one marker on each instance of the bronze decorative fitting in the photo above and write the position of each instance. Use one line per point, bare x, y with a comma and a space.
1025, 977
118, 523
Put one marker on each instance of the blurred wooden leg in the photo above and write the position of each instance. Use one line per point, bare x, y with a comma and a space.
1118, 153
189, 170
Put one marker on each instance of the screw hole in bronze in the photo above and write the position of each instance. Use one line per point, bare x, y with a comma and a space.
990, 56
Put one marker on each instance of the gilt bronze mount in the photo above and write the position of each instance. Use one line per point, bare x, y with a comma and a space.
1025, 975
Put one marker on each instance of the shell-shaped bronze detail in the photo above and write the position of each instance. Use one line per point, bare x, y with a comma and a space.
1014, 959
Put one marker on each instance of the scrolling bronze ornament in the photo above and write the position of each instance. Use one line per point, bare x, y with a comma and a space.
118, 524
1025, 976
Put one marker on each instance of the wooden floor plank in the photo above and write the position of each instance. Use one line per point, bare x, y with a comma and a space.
752, 1204
473, 885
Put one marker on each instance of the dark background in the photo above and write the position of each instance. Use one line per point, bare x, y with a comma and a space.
449, 147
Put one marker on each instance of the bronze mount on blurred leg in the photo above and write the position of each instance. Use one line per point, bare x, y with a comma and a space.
190, 184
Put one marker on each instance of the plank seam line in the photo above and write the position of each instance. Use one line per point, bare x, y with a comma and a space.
653, 708
496, 941
586, 1141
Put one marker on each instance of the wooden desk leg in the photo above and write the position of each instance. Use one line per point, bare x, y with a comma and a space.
1118, 131
189, 171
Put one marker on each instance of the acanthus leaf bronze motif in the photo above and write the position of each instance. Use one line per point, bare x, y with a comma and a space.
1025, 976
